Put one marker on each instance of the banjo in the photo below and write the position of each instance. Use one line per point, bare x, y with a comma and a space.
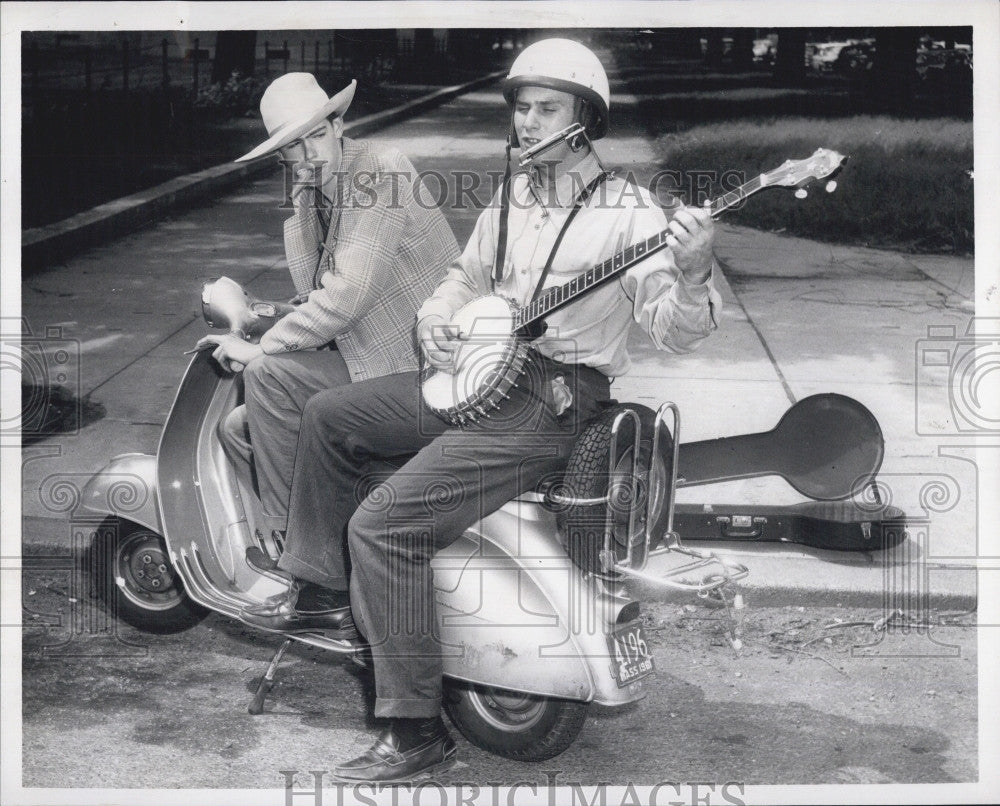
496, 332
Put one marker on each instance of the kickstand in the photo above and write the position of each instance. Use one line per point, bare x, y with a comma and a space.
267, 682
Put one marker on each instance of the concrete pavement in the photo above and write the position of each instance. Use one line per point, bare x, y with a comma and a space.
46, 245
800, 317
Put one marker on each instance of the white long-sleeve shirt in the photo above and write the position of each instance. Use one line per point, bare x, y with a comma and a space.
593, 329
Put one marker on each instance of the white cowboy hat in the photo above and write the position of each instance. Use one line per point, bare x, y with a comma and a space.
292, 105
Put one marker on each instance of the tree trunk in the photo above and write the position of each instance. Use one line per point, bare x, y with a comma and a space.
688, 43
894, 71
234, 50
713, 52
742, 49
790, 61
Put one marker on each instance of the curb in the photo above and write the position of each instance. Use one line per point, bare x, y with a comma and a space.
43, 246
45, 544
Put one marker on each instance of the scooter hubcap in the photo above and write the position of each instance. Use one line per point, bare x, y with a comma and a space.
143, 571
507, 710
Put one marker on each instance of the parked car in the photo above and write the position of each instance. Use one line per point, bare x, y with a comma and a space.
935, 60
821, 56
855, 58
763, 51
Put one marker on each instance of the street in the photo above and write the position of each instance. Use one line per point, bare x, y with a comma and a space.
107, 706
798, 704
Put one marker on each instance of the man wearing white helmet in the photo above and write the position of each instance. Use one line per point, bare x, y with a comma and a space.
549, 224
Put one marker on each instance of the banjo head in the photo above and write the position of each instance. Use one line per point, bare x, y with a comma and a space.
486, 327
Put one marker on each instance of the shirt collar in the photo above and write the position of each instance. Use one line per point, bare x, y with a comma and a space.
568, 185
350, 150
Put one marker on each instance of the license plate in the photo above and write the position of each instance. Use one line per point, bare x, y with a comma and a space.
630, 655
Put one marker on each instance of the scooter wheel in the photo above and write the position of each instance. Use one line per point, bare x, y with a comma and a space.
131, 572
518, 726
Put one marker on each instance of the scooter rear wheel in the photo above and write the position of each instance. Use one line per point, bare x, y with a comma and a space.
131, 573
518, 726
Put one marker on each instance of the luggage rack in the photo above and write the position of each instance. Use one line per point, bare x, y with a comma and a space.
723, 571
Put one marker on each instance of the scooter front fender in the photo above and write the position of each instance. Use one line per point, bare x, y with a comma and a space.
126, 488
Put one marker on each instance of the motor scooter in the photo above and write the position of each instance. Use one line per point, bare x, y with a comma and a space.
533, 607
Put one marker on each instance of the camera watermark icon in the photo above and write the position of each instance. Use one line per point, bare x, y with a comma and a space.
48, 367
85, 622
957, 380
94, 573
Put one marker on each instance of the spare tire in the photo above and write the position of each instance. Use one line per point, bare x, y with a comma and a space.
582, 527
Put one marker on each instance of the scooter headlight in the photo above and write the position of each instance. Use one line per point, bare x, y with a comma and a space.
224, 303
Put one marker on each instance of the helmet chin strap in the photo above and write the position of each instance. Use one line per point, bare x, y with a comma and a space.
582, 113
501, 250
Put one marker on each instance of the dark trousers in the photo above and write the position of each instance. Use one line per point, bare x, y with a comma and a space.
260, 436
345, 482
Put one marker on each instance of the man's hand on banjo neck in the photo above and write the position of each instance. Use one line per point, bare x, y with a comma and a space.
692, 233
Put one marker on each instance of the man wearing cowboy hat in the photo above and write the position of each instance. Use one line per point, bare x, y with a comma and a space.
363, 254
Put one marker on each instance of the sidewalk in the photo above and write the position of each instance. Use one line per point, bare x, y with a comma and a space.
799, 318
42, 246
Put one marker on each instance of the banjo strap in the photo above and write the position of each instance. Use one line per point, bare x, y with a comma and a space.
501, 252
580, 201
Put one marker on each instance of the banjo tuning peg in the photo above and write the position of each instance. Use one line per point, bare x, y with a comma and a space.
831, 186
801, 193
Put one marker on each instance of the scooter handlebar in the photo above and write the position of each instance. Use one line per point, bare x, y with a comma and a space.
227, 306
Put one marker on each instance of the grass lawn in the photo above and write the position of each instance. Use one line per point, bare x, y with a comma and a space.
908, 184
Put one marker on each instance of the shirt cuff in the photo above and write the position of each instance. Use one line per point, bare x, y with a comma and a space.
692, 296
433, 307
696, 292
272, 345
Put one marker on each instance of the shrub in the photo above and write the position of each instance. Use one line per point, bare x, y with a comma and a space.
908, 184
237, 95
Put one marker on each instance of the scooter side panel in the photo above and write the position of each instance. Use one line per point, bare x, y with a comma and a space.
126, 487
515, 612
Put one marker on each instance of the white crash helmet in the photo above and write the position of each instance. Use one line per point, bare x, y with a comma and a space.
568, 66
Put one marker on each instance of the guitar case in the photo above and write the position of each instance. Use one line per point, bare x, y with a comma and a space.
834, 526
829, 448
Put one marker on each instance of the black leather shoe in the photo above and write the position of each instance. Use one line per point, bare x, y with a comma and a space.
303, 596
282, 614
386, 763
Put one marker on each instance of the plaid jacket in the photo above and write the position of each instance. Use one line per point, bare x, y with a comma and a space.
384, 255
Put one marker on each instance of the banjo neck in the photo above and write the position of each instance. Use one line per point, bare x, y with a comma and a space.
490, 362
822, 164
